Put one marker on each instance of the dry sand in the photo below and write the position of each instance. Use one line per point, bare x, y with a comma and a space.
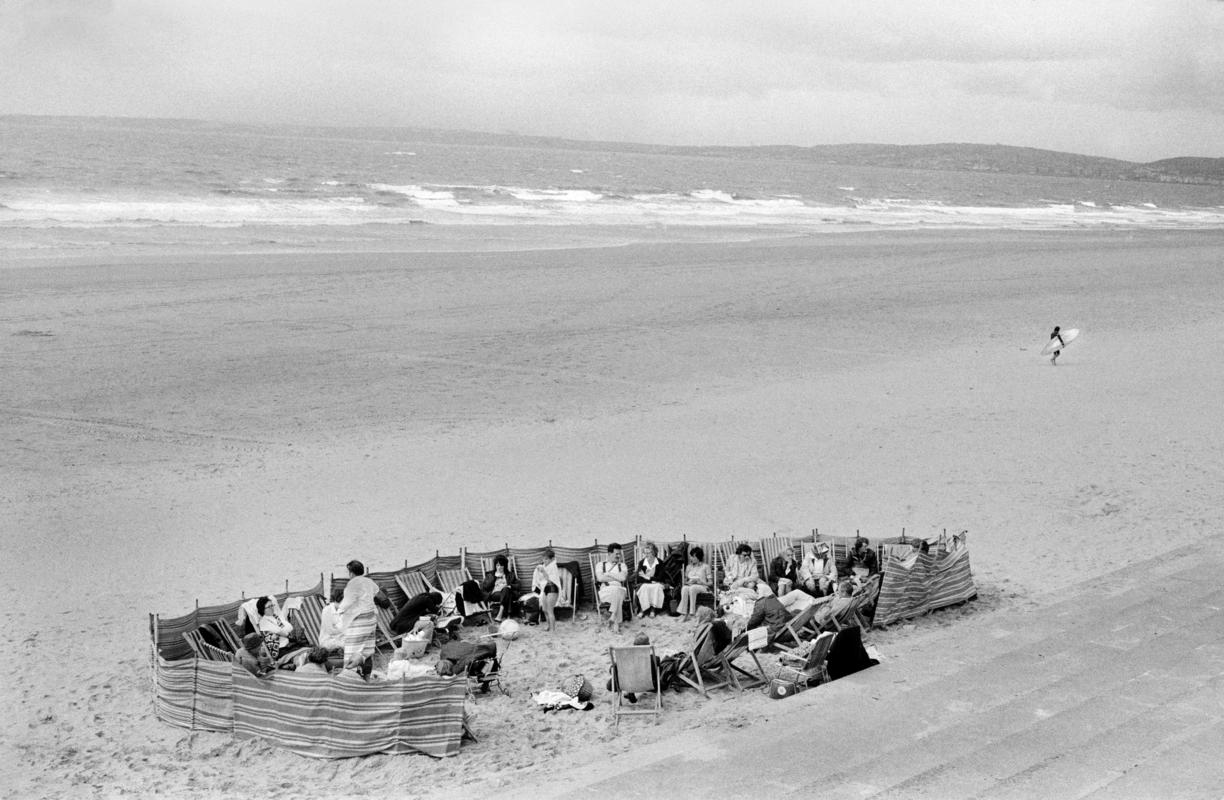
195, 422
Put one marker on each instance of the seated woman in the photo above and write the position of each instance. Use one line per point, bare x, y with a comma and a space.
650, 591
276, 632
696, 582
545, 590
331, 629
425, 604
254, 656
498, 587
784, 571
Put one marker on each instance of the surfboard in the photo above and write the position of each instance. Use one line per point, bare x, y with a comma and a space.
1068, 336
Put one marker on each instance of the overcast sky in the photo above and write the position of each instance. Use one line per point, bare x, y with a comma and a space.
1134, 80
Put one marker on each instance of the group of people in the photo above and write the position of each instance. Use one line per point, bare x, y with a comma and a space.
669, 585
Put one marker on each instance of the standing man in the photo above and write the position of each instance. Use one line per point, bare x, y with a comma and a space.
1061, 344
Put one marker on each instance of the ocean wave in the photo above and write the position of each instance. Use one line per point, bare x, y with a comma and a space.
342, 203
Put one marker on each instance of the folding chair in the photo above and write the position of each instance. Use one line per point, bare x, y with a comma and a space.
797, 626
566, 599
216, 653
413, 583
229, 633
732, 672
635, 670
383, 635
195, 640
450, 581
309, 618
596, 560
701, 675
804, 668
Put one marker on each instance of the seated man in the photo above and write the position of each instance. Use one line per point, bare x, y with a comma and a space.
784, 571
768, 611
611, 576
818, 573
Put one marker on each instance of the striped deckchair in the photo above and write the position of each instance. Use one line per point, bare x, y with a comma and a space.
414, 583
309, 618
216, 653
195, 640
383, 635
702, 676
229, 633
450, 581
567, 599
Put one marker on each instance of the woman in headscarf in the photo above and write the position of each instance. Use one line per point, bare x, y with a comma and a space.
360, 616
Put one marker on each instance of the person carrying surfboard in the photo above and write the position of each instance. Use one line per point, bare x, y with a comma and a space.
1058, 336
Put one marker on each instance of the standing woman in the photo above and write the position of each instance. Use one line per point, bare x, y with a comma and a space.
650, 592
696, 580
360, 615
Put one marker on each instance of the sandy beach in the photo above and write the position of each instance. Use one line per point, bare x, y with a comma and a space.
198, 420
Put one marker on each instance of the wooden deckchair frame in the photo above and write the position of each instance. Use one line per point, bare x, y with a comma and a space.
634, 670
309, 618
732, 671
694, 673
383, 617
797, 626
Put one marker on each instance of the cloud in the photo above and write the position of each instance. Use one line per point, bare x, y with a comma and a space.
686, 71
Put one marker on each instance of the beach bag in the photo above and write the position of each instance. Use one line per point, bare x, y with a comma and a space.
578, 686
782, 687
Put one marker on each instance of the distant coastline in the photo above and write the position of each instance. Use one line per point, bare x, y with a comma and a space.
948, 157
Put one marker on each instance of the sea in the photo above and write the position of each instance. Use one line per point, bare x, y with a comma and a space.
60, 175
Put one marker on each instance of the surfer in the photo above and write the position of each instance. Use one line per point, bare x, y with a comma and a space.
1058, 336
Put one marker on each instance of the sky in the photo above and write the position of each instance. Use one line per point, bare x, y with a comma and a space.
1124, 79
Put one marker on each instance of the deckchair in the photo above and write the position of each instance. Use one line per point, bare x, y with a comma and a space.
309, 618
701, 675
799, 627
451, 581
596, 560
566, 599
635, 670
867, 595
216, 653
803, 669
413, 584
486, 567
732, 672
195, 640
224, 631
383, 635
